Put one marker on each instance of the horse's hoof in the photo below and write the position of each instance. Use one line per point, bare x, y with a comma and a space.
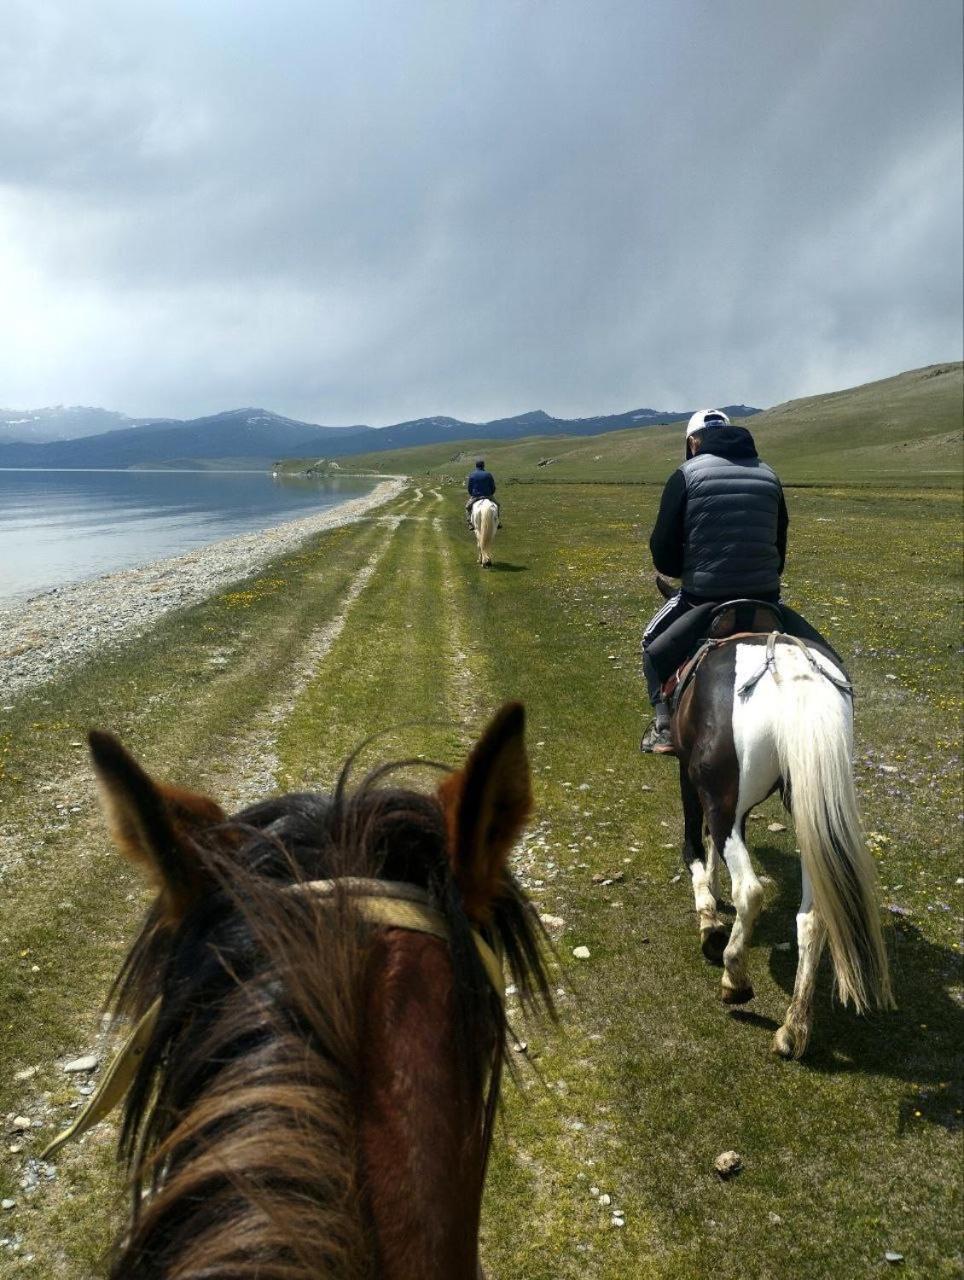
736, 995
789, 1043
713, 942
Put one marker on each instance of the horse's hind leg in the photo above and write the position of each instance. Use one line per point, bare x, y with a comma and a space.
704, 867
792, 1038
726, 830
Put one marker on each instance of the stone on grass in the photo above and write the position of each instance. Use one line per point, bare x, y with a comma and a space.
8, 1204
728, 1164
20, 1123
581, 953
893, 1257
776, 826
87, 1063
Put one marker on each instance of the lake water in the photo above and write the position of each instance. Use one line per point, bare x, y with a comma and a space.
62, 526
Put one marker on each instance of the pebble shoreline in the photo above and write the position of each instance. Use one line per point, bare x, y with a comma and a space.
45, 633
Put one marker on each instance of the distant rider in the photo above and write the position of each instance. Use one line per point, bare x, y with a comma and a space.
721, 529
480, 484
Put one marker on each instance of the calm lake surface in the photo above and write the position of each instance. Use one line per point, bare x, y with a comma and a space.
62, 526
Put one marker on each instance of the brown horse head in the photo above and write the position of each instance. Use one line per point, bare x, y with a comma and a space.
311, 1100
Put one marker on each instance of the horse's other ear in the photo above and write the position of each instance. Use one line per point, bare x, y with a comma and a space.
486, 804
152, 823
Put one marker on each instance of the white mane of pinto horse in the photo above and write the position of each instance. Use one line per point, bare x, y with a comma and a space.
791, 725
484, 522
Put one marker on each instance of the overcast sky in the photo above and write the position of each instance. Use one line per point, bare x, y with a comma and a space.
355, 211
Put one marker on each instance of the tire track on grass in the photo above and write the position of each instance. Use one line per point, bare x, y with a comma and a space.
65, 811
464, 659
469, 680
386, 673
255, 762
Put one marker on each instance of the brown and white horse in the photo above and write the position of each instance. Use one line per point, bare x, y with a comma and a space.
320, 1021
485, 521
763, 714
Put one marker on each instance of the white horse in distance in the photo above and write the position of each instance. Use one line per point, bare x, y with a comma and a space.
485, 520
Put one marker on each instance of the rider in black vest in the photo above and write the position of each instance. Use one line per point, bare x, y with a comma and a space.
722, 530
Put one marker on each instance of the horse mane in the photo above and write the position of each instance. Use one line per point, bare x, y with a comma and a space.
240, 1129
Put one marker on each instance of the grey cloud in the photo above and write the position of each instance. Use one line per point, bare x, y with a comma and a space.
367, 211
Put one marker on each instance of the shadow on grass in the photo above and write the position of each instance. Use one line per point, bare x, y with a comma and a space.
752, 1019
505, 567
918, 1042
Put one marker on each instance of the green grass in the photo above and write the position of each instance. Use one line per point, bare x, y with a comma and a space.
851, 1152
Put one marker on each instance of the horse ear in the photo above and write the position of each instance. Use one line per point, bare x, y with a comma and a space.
152, 823
486, 805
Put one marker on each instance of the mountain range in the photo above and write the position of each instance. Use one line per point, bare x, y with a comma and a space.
90, 437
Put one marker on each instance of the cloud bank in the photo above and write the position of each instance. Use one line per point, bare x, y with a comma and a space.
363, 211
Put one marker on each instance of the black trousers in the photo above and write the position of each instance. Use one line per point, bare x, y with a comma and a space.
674, 632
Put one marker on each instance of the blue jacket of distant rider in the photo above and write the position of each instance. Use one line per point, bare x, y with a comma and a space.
480, 484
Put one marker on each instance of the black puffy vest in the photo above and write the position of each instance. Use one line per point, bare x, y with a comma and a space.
730, 542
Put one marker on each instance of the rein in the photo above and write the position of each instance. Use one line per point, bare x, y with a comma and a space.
389, 903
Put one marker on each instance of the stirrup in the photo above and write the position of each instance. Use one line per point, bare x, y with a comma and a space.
657, 741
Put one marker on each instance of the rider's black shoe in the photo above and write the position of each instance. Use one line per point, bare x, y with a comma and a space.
657, 741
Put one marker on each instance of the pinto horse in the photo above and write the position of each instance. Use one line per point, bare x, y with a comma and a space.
485, 521
765, 713
321, 1028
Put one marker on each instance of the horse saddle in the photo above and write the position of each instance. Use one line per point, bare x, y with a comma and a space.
729, 621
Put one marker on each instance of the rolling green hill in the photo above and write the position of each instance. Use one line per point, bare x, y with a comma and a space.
905, 430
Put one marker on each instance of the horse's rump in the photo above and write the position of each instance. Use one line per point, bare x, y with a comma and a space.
807, 715
484, 522
761, 713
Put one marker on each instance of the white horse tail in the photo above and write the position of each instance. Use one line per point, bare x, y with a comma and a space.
814, 731
485, 529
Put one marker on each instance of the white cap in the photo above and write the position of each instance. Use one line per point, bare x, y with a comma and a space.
703, 418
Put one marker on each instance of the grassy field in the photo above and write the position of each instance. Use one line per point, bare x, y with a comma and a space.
389, 625
898, 432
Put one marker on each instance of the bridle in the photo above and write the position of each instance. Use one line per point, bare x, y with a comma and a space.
389, 903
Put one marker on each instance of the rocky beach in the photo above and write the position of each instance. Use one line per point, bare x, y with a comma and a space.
44, 633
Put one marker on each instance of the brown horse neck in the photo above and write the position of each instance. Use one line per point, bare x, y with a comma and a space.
421, 1136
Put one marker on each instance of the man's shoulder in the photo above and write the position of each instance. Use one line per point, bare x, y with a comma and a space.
718, 461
